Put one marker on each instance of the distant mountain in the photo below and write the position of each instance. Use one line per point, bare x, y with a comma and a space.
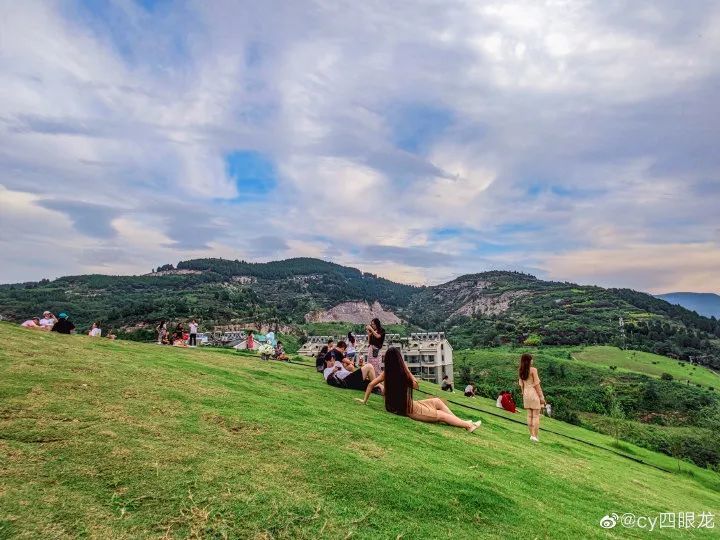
476, 310
707, 304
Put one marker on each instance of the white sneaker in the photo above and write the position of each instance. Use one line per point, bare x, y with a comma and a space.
534, 439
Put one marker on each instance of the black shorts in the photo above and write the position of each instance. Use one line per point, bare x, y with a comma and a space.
355, 381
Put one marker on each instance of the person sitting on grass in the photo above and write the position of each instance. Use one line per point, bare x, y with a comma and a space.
320, 359
95, 331
470, 390
48, 320
280, 352
338, 353
337, 374
398, 392
33, 324
351, 352
64, 326
506, 401
446, 384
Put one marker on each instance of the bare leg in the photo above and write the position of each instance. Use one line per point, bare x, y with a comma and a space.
368, 372
439, 405
452, 420
536, 425
530, 421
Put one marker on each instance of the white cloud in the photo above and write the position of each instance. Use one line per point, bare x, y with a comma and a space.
572, 129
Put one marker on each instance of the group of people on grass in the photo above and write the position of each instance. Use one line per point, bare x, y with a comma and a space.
60, 324
179, 337
341, 365
389, 376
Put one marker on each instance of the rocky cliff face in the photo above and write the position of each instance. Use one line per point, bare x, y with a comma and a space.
354, 312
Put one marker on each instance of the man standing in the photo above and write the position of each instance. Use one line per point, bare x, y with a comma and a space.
193, 333
48, 320
64, 326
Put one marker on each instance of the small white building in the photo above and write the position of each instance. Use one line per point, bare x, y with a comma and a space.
429, 356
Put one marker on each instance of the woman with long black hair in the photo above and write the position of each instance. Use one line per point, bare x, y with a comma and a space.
533, 398
376, 340
397, 390
320, 359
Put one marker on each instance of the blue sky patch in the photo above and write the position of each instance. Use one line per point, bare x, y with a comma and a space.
416, 127
253, 172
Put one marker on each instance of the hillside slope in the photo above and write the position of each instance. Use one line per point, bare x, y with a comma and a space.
485, 309
649, 364
116, 440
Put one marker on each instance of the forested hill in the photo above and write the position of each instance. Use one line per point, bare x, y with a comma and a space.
484, 309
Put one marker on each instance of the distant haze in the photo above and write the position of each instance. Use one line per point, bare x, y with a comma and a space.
707, 304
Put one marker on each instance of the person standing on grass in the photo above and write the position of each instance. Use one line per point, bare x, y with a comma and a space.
533, 398
193, 333
398, 395
376, 340
161, 332
250, 341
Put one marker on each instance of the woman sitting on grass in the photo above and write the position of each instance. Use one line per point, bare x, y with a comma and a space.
399, 384
533, 398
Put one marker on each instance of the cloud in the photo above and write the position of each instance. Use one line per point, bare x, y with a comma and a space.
541, 133
87, 218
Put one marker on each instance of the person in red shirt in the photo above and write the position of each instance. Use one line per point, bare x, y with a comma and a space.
507, 402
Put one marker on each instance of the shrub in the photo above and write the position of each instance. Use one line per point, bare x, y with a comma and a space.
666, 377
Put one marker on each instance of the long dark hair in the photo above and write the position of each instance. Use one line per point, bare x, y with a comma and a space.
398, 385
351, 338
323, 352
378, 326
524, 370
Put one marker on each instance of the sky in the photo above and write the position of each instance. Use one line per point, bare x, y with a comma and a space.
577, 141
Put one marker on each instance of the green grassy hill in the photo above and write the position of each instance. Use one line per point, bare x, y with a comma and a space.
107, 439
649, 364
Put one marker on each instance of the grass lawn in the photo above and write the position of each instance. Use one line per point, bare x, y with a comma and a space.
648, 363
108, 439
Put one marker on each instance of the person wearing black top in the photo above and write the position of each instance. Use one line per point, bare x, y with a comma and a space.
376, 340
338, 354
320, 359
63, 326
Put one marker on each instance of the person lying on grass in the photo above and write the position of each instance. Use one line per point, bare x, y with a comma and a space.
399, 384
337, 374
338, 354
